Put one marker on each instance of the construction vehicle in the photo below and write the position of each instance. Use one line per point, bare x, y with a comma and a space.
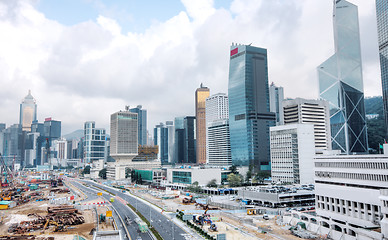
57, 226
188, 200
213, 227
251, 211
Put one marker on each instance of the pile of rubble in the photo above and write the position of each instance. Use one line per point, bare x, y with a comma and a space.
25, 237
60, 190
58, 216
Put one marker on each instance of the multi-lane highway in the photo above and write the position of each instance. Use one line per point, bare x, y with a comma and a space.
166, 228
124, 211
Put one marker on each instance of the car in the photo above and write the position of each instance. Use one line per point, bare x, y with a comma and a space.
301, 209
265, 217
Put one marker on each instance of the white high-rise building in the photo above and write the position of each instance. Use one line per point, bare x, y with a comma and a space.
351, 193
217, 108
310, 111
276, 97
123, 143
292, 153
219, 143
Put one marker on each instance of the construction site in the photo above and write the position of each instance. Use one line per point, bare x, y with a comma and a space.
40, 205
214, 220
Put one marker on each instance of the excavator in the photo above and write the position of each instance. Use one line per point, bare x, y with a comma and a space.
57, 226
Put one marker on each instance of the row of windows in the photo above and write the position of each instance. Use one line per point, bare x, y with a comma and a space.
370, 165
358, 176
350, 208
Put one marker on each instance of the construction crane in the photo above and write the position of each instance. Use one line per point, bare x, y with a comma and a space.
6, 173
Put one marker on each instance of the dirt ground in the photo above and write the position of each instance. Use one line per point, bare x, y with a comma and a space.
19, 213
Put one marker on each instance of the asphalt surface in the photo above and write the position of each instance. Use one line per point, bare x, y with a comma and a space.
166, 228
123, 210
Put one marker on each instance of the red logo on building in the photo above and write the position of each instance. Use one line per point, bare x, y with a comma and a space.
234, 51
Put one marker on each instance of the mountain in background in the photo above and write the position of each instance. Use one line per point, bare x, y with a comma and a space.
77, 134
376, 126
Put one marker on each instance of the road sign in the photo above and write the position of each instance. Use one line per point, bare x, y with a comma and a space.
109, 213
187, 217
99, 193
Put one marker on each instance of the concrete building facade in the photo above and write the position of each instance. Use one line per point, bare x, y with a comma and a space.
292, 153
312, 112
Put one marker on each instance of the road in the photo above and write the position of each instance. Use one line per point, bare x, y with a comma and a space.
166, 228
123, 210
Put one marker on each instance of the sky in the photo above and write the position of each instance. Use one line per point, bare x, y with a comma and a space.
86, 59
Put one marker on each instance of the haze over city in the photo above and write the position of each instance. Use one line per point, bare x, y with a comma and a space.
84, 60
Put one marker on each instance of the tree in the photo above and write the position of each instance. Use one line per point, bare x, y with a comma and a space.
194, 187
102, 173
212, 183
234, 180
261, 175
128, 173
86, 170
249, 174
233, 169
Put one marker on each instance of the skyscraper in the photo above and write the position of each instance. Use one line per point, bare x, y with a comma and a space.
382, 30
200, 115
189, 140
142, 123
276, 97
315, 112
179, 143
94, 142
161, 140
341, 84
123, 138
249, 115
217, 130
27, 112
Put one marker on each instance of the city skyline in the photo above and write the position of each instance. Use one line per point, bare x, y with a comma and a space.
80, 80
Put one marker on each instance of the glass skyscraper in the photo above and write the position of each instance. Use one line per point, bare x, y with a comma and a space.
341, 84
249, 115
382, 30
142, 124
27, 112
94, 142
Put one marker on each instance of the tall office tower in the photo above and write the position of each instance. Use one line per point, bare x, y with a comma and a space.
142, 122
301, 110
218, 143
27, 112
52, 129
200, 115
123, 135
171, 140
11, 143
217, 125
32, 146
217, 107
60, 147
382, 30
189, 140
276, 97
249, 115
341, 84
2, 126
94, 142
161, 140
292, 153
179, 143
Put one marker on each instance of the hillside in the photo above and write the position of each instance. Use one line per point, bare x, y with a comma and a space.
376, 127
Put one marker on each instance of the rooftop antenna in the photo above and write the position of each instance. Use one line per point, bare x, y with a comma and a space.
126, 107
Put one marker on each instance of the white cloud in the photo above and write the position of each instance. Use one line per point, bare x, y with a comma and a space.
89, 70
